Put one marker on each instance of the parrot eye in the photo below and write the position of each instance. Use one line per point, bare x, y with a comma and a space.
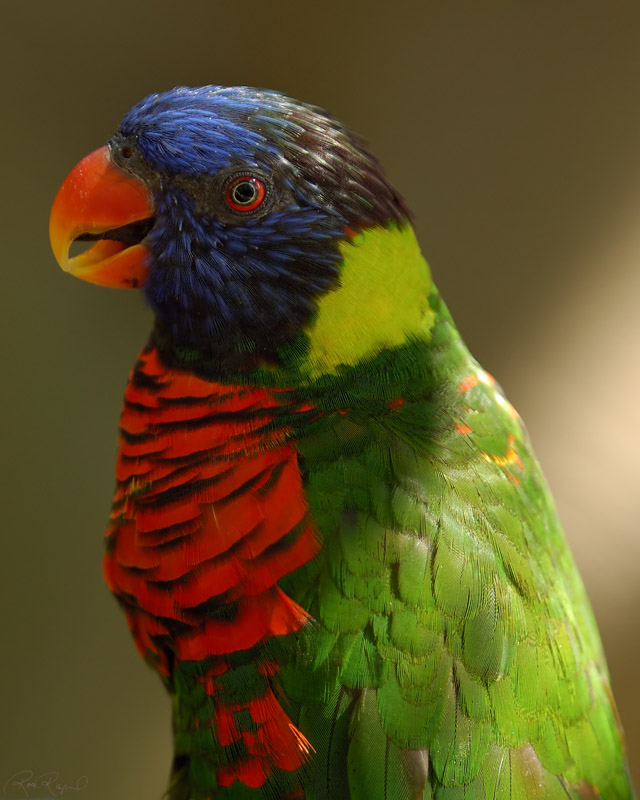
245, 193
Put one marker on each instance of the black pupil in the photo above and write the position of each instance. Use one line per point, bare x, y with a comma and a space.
244, 193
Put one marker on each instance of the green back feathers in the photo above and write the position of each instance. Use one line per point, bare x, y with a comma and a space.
454, 654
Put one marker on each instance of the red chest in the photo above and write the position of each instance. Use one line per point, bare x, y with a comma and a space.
209, 514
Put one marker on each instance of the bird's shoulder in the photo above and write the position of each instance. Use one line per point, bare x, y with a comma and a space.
448, 610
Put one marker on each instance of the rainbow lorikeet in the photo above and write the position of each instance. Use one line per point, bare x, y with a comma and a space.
330, 536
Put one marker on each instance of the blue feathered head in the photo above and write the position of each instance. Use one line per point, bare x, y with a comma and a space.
252, 194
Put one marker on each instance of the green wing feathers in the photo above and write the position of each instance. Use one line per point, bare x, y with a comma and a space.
454, 650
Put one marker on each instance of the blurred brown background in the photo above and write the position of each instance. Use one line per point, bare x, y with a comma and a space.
514, 132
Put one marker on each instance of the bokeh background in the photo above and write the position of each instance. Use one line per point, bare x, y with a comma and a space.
514, 131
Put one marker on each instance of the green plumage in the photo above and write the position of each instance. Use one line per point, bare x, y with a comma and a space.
454, 654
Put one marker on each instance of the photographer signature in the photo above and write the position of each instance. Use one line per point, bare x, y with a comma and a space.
27, 783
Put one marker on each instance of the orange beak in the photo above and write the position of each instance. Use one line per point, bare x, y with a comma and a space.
99, 202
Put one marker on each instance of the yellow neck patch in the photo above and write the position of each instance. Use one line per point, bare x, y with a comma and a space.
381, 300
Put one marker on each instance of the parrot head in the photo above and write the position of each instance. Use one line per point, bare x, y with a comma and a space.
237, 211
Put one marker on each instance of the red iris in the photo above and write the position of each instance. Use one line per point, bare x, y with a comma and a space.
245, 193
